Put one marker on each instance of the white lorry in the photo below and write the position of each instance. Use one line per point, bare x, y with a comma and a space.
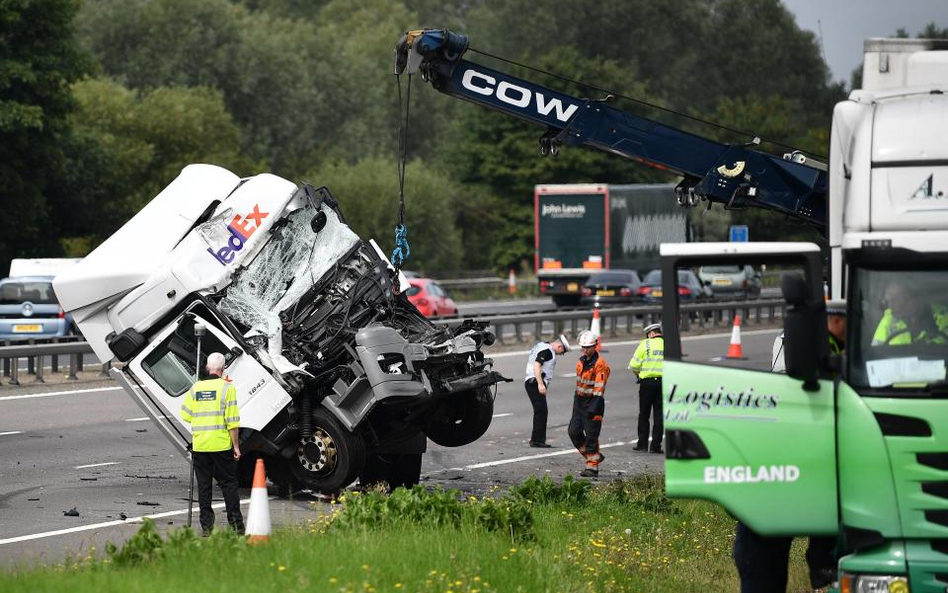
338, 376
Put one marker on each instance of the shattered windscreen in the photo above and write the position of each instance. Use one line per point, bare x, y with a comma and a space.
292, 261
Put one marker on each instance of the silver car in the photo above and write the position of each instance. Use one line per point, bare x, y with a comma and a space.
731, 281
29, 309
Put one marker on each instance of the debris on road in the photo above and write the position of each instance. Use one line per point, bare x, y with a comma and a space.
71, 512
88, 479
123, 516
146, 503
146, 477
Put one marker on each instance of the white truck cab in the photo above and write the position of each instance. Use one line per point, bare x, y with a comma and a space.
338, 376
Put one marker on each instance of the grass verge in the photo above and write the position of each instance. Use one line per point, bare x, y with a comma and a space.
539, 536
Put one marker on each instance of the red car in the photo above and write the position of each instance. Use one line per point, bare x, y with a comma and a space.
429, 298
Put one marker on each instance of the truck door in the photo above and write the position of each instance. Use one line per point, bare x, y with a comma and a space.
166, 368
754, 441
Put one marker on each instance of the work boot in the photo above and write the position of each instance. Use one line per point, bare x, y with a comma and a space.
656, 450
540, 445
589, 472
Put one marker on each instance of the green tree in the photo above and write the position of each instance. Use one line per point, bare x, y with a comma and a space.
368, 195
38, 60
125, 146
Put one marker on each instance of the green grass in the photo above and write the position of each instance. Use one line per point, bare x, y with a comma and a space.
625, 536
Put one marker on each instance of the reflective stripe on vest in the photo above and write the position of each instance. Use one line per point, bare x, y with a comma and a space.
649, 358
211, 408
592, 381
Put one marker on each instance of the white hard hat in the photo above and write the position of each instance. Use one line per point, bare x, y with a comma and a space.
564, 342
655, 327
587, 339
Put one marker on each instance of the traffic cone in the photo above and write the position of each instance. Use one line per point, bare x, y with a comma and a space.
258, 517
735, 350
512, 282
595, 328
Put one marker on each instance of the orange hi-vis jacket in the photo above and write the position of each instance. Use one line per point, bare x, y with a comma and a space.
592, 381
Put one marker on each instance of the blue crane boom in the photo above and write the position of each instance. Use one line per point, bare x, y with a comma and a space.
735, 175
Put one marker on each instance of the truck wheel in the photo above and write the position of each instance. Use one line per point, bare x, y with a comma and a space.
331, 458
462, 419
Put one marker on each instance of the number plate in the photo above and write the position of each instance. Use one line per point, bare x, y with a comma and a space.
721, 281
606, 292
656, 293
27, 329
572, 287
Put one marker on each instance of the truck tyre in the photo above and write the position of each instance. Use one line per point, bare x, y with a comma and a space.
331, 458
462, 419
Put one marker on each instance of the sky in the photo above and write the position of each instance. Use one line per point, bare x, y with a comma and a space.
846, 23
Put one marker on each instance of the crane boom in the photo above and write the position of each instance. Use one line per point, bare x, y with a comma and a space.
734, 175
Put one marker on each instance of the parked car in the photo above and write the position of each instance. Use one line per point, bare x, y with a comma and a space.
429, 298
29, 309
731, 281
612, 287
690, 288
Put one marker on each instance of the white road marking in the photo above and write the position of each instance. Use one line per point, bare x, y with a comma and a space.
568, 375
3, 434
97, 464
52, 393
569, 451
142, 419
32, 536
502, 415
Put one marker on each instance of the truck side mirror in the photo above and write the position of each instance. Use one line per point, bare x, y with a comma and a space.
805, 340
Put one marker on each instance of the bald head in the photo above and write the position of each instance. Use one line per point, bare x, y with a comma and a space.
215, 363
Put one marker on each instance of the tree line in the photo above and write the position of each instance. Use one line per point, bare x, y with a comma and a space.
102, 102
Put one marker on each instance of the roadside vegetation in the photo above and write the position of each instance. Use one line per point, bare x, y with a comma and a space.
539, 536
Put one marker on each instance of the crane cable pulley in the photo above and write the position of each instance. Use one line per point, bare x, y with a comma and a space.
402, 250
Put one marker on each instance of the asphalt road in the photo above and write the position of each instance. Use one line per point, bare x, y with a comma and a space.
89, 448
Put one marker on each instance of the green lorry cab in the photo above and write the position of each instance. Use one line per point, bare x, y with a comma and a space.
854, 445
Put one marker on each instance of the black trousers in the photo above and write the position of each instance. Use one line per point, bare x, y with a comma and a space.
221, 466
762, 562
586, 424
650, 403
540, 411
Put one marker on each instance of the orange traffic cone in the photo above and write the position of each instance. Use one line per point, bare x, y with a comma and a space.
512, 282
595, 328
735, 350
258, 517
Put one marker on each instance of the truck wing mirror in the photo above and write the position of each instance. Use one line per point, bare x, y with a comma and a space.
805, 341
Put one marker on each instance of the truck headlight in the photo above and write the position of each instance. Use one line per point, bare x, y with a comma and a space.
852, 583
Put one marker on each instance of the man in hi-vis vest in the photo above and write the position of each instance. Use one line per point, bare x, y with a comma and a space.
210, 407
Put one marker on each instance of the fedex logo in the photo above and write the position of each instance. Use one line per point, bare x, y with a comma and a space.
240, 229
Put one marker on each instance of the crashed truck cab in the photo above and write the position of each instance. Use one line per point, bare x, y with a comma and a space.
338, 376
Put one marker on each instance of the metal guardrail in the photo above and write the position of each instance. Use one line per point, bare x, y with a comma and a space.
36, 352
509, 329
626, 319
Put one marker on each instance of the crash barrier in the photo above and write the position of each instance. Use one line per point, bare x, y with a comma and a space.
627, 320
614, 322
37, 352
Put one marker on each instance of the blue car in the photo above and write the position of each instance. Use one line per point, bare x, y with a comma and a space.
29, 309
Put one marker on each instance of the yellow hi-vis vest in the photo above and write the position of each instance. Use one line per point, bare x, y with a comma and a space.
648, 358
210, 407
895, 332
